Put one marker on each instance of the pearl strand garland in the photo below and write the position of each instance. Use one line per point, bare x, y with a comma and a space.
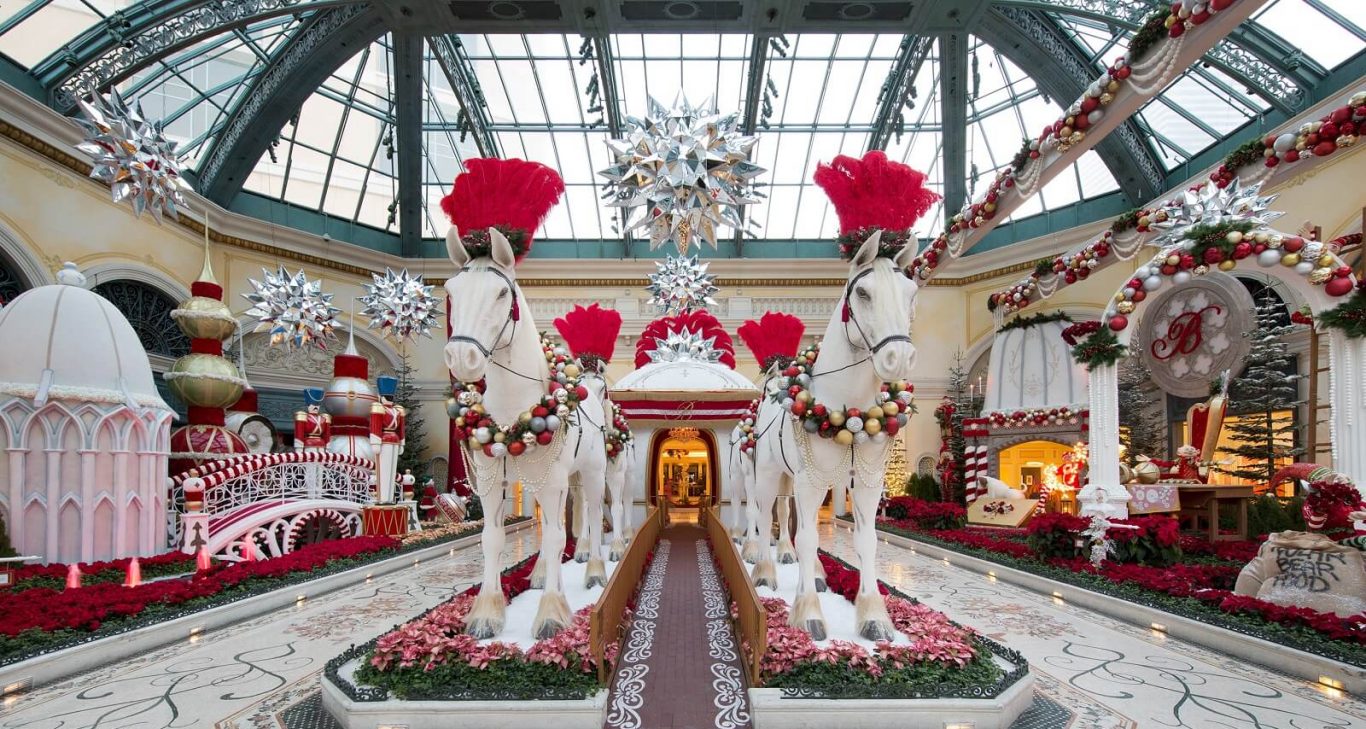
1159, 73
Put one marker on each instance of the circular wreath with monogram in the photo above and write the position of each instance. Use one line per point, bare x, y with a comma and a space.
535, 426
891, 412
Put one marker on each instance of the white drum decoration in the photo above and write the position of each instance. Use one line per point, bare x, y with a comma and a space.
1031, 368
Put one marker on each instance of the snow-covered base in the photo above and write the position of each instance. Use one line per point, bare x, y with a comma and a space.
840, 614
521, 611
586, 713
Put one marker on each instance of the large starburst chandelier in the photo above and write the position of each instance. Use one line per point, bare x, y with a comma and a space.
400, 305
1212, 205
685, 346
132, 155
292, 308
682, 172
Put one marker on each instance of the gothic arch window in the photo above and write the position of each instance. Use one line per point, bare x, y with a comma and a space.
149, 311
11, 283
925, 466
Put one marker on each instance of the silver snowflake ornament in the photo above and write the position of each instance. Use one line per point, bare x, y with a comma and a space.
132, 156
685, 346
293, 309
681, 283
682, 172
400, 305
1210, 205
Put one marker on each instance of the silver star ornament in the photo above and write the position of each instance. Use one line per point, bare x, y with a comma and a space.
399, 305
680, 283
685, 346
132, 156
682, 172
293, 309
1211, 205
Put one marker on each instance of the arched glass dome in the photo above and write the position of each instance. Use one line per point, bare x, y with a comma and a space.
336, 116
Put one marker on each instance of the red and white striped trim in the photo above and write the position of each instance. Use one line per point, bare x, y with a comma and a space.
216, 472
683, 410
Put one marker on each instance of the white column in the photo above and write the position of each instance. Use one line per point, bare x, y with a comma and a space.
1103, 493
54, 501
838, 499
17, 497
1347, 393
88, 506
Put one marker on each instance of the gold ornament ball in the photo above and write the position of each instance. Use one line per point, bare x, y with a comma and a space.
571, 370
1290, 259
524, 417
836, 418
1106, 98
1320, 275
1326, 261
874, 413
844, 437
1113, 86
1228, 264
199, 379
499, 437
872, 427
203, 318
1125, 307
804, 396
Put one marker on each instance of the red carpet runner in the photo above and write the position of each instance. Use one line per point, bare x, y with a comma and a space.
680, 665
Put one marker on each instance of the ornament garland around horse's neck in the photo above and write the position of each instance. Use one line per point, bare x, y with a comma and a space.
744, 432
535, 426
618, 434
885, 418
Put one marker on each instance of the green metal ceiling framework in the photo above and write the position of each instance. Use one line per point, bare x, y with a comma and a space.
301, 43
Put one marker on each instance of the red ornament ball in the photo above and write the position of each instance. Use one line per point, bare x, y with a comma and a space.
544, 437
1338, 287
1119, 322
516, 448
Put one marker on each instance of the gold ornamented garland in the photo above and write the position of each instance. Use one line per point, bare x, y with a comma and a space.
535, 426
618, 434
892, 411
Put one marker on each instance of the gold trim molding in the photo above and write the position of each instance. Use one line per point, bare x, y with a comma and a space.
81, 167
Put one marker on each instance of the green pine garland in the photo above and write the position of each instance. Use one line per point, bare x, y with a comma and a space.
1025, 322
1100, 349
478, 244
1246, 153
1154, 31
1127, 221
1215, 235
1043, 267
1349, 316
889, 245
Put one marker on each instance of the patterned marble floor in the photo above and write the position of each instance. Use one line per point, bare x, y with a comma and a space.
1130, 676
252, 666
1092, 671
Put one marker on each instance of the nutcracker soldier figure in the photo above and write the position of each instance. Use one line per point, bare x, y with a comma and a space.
387, 422
312, 426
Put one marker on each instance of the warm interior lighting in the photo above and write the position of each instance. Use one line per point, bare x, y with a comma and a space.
1159, 627
1331, 682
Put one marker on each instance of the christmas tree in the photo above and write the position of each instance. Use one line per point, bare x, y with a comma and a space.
414, 454
966, 404
1265, 397
1142, 428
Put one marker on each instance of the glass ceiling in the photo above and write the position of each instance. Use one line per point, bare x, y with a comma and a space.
337, 154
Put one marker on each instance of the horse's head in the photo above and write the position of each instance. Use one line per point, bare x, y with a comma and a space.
484, 305
878, 307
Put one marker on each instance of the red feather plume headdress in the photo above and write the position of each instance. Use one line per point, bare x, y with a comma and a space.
697, 321
772, 339
591, 334
874, 193
512, 195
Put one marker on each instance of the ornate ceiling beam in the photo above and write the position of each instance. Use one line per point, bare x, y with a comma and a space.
953, 115
1060, 69
909, 58
127, 41
607, 82
295, 71
754, 81
407, 76
455, 64
1271, 69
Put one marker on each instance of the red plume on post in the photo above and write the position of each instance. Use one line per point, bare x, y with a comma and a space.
874, 192
697, 321
511, 194
773, 338
591, 334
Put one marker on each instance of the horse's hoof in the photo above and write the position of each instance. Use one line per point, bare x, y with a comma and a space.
816, 628
596, 576
581, 557
750, 552
616, 551
547, 629
876, 630
787, 558
552, 615
820, 584
482, 629
765, 574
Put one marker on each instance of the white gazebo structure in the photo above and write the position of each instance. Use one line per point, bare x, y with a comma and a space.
84, 435
665, 396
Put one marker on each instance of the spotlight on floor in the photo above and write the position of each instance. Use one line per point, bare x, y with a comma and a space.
1328, 681
1159, 627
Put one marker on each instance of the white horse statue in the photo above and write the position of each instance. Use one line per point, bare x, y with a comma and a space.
520, 404
866, 344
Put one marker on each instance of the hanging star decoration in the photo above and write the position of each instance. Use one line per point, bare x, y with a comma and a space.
685, 346
680, 284
132, 156
1211, 205
682, 172
399, 305
293, 309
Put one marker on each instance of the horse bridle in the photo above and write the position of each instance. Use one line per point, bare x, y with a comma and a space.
849, 318
511, 320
